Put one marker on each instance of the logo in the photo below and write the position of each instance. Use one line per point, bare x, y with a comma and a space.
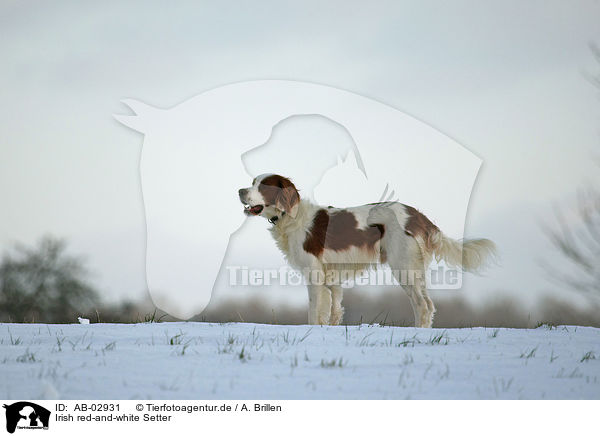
26, 415
196, 155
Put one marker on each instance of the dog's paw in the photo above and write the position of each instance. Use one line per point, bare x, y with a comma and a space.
336, 317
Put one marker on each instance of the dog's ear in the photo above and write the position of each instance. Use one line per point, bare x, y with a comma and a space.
281, 193
288, 198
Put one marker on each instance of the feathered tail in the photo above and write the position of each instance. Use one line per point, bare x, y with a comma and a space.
468, 254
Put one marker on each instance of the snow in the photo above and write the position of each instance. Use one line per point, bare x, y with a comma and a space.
255, 361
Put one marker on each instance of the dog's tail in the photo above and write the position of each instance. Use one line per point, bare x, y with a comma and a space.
467, 254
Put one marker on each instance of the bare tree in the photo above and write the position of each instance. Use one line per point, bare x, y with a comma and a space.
579, 245
44, 284
579, 242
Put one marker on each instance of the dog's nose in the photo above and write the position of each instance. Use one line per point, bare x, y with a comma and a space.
242, 192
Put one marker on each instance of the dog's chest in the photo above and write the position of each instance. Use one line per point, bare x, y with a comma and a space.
289, 241
281, 240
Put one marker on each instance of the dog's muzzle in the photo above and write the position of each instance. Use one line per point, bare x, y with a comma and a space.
249, 210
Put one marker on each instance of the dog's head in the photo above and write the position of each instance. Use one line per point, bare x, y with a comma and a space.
270, 196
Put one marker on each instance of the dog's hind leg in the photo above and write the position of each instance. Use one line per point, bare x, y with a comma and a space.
430, 306
422, 308
412, 280
406, 261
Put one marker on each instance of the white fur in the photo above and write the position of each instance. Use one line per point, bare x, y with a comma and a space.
403, 252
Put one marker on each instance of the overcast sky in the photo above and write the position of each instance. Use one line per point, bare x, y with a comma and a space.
504, 79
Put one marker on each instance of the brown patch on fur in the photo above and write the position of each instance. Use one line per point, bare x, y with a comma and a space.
315, 237
419, 226
280, 192
339, 231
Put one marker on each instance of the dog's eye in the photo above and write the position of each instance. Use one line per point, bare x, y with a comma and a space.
253, 181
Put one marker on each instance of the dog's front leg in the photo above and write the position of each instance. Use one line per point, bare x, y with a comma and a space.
319, 304
337, 311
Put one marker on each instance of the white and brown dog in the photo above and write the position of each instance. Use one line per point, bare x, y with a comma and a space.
328, 239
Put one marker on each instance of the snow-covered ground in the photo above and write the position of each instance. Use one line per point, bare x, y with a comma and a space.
252, 361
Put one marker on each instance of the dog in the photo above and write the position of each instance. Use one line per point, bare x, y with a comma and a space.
322, 241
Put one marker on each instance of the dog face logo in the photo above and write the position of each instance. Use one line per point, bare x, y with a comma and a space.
26, 415
196, 155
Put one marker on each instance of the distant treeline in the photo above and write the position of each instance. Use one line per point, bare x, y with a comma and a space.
393, 308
